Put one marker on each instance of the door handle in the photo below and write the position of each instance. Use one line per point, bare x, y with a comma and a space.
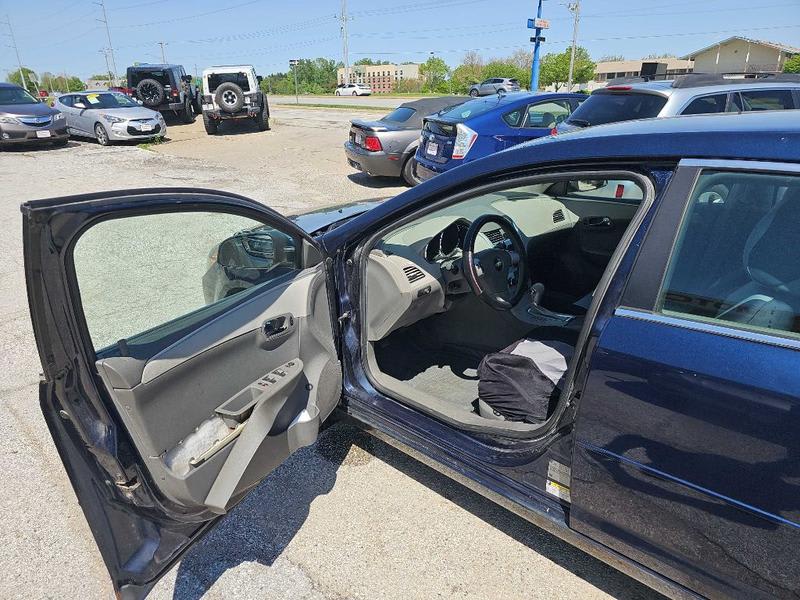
278, 325
605, 222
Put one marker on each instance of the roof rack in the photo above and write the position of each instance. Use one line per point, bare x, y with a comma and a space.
690, 80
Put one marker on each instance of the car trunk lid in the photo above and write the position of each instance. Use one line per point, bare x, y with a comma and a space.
438, 138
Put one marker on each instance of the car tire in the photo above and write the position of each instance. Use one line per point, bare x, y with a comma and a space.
409, 175
187, 114
101, 135
229, 97
262, 120
473, 93
355, 93
336, 93
150, 92
210, 124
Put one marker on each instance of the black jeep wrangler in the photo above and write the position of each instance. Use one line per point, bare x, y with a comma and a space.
165, 88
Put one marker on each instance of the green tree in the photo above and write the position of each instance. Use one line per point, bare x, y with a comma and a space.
555, 68
467, 73
435, 72
792, 65
317, 76
30, 79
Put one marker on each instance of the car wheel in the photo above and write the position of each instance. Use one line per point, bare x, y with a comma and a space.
473, 93
187, 114
336, 93
262, 120
409, 173
101, 134
150, 92
210, 124
229, 97
355, 93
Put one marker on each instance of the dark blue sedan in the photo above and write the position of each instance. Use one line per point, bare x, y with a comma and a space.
600, 331
487, 125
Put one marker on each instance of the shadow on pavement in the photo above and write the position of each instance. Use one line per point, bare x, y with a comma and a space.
260, 528
365, 180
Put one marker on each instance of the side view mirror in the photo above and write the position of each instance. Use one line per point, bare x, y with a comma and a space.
187, 78
259, 78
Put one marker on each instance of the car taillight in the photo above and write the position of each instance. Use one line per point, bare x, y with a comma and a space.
175, 93
465, 138
372, 144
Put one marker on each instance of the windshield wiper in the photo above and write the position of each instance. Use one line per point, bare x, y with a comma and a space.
579, 122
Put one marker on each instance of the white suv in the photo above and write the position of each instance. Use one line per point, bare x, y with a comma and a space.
352, 89
233, 92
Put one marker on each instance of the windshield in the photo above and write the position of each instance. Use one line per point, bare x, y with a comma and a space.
400, 115
110, 100
473, 108
600, 108
12, 95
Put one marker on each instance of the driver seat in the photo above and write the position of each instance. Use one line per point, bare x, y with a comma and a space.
524, 381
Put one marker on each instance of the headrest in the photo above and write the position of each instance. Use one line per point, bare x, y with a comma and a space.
771, 252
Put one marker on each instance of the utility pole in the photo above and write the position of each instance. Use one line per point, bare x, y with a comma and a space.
537, 24
104, 20
163, 56
575, 8
104, 52
343, 18
16, 51
293, 64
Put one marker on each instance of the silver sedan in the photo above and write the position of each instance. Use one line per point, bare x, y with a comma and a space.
109, 116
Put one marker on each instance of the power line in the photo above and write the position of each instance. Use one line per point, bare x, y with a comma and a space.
16, 51
104, 20
575, 9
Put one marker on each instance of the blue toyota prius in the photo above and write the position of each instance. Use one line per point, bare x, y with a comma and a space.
487, 125
601, 331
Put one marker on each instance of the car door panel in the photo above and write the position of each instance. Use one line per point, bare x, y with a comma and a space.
157, 446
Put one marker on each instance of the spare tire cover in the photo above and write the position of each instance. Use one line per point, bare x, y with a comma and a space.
229, 97
150, 92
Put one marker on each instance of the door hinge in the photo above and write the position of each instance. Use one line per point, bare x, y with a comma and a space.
345, 316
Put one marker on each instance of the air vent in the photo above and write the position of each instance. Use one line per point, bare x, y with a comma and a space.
495, 236
413, 273
558, 216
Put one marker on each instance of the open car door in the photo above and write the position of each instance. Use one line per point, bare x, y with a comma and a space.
187, 344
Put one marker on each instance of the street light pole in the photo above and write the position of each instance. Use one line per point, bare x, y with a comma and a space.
535, 63
293, 63
163, 56
575, 8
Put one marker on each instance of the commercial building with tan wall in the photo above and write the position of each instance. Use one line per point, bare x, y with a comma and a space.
381, 78
742, 55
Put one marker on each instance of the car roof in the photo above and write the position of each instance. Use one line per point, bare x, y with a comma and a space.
149, 66
665, 87
4, 84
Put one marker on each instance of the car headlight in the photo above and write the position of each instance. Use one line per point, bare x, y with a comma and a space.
9, 120
58, 116
113, 119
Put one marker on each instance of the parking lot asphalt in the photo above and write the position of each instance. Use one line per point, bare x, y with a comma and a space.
346, 518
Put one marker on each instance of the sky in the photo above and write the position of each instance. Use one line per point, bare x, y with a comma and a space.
67, 35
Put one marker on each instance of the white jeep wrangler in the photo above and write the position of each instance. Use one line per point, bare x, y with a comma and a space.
233, 92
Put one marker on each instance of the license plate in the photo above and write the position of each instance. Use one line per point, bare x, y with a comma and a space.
432, 148
147, 127
43, 134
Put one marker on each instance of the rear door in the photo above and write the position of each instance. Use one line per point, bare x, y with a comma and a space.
187, 346
687, 455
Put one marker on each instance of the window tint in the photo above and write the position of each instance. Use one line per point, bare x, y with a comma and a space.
143, 278
707, 105
66, 100
473, 108
514, 117
610, 107
400, 115
547, 114
767, 100
737, 260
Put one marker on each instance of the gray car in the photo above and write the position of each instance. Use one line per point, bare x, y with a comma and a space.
109, 116
494, 85
25, 120
386, 147
692, 94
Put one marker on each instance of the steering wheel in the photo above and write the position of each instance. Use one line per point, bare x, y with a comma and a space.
497, 276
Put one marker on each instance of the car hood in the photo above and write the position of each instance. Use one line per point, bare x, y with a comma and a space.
139, 112
37, 109
323, 219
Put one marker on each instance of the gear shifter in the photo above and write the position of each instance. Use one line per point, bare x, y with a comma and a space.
540, 313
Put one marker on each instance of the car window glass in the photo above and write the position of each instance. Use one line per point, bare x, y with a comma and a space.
142, 277
767, 100
736, 259
217, 79
707, 105
400, 115
14, 95
66, 100
514, 117
547, 114
613, 107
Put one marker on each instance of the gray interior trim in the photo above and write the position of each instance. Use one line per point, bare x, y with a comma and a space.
696, 325
389, 386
